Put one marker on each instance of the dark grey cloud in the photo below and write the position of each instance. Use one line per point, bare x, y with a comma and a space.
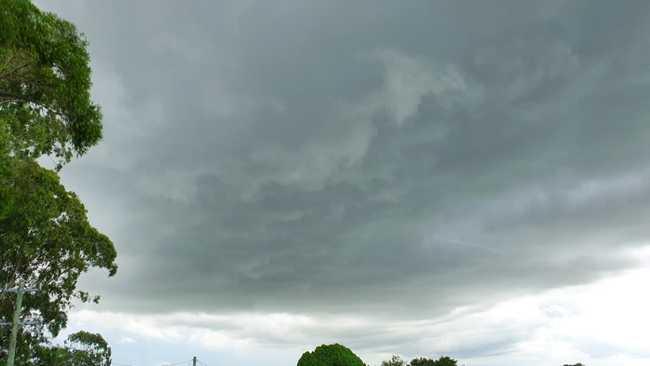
364, 157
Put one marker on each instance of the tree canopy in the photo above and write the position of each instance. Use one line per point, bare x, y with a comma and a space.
47, 243
45, 103
330, 355
80, 349
394, 361
442, 361
47, 240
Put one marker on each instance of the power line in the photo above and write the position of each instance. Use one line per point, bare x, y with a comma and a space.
177, 363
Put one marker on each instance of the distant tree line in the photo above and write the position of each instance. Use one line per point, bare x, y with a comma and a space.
420, 361
339, 355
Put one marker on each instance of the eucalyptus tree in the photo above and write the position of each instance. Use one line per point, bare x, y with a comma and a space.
46, 240
45, 82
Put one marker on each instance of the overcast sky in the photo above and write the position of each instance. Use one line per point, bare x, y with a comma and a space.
467, 178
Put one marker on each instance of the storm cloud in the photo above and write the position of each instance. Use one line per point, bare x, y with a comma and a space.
391, 159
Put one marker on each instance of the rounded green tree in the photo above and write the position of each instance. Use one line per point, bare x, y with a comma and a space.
330, 355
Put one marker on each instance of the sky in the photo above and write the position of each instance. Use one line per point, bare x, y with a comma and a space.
420, 178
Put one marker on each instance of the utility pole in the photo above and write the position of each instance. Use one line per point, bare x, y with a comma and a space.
14, 327
16, 322
193, 361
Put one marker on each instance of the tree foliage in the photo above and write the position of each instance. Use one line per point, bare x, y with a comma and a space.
442, 361
420, 361
330, 355
80, 349
47, 243
395, 360
46, 240
45, 102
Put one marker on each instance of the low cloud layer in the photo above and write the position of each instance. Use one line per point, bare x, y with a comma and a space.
554, 327
386, 160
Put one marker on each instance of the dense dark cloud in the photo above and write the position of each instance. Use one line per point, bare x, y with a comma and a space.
400, 158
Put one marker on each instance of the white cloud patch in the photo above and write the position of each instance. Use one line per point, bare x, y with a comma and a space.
409, 79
